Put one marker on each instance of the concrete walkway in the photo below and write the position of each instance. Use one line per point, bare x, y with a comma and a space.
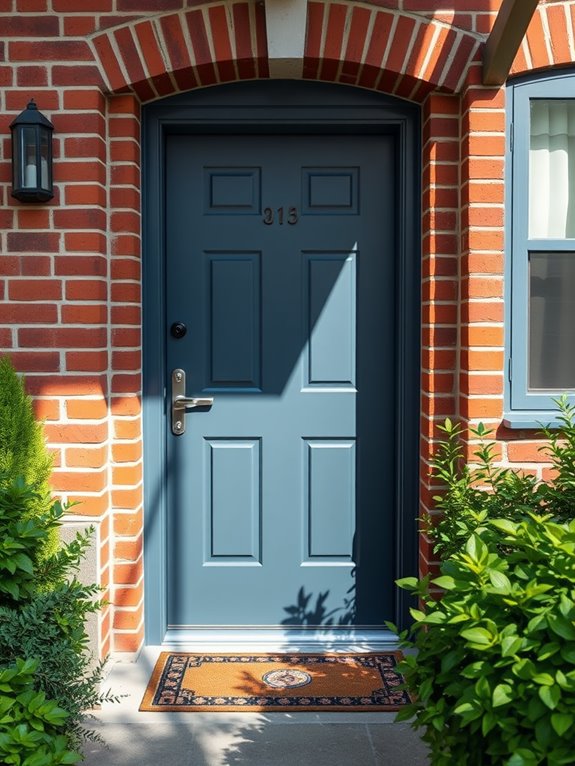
223, 739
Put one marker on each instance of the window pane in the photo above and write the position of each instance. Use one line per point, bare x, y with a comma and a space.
552, 169
552, 321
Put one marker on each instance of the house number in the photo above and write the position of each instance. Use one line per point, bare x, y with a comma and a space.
280, 215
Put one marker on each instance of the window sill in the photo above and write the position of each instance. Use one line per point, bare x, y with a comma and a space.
532, 420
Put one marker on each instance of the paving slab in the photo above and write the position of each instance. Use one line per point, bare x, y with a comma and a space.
225, 739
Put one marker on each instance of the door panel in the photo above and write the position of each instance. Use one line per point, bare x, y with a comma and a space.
281, 262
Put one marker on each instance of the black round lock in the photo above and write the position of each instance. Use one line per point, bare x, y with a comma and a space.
178, 330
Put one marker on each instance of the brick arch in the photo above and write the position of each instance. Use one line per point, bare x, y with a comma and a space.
347, 42
549, 40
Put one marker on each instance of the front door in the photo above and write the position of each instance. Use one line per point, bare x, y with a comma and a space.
281, 299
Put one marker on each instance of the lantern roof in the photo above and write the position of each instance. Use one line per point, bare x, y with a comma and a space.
31, 116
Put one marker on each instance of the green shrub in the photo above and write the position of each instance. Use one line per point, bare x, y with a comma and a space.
23, 534
43, 608
495, 669
30, 724
475, 493
23, 452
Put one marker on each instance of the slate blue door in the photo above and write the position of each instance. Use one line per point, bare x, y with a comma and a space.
280, 261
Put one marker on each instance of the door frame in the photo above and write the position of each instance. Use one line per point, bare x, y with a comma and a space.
276, 107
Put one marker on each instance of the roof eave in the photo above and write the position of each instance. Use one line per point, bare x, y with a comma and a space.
503, 43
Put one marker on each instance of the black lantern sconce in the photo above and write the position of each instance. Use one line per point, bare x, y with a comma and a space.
32, 156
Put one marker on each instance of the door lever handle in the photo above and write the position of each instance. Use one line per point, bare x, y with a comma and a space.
181, 402
189, 402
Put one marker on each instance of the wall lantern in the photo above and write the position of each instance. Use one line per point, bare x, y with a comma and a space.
32, 156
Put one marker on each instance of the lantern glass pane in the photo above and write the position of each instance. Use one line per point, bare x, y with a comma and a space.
30, 158
45, 160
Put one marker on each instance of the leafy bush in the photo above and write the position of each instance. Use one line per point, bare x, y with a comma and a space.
494, 675
43, 608
495, 669
481, 491
30, 724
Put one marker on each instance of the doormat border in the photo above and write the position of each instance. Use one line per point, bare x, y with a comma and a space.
389, 698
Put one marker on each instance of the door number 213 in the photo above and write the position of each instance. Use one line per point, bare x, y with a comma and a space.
280, 215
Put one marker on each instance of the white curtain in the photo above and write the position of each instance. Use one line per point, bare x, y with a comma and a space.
552, 274
552, 170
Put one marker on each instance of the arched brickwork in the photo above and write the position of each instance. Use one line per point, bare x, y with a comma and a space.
550, 39
358, 44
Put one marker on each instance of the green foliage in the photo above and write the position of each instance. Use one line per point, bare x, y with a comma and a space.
23, 452
43, 610
22, 449
31, 725
476, 493
558, 496
50, 628
495, 668
23, 534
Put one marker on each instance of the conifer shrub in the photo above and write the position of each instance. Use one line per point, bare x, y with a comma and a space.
48, 678
23, 452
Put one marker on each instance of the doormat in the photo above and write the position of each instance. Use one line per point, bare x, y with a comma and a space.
274, 682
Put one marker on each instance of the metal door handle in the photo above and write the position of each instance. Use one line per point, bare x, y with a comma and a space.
189, 402
181, 402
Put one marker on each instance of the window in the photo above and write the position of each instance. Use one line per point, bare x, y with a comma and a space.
540, 274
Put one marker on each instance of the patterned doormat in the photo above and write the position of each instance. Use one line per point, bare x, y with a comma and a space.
274, 682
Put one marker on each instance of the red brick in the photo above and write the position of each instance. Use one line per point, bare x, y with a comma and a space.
315, 12
91, 314
128, 642
75, 433
202, 52
131, 59
128, 525
536, 42
45, 25
46, 409
62, 50
26, 313
333, 41
35, 361
125, 405
86, 457
58, 337
128, 596
109, 61
82, 481
81, 265
559, 39
22, 242
87, 361
222, 44
66, 385
244, 54
77, 75
127, 620
35, 290
126, 453
86, 290
35, 265
32, 76
79, 26
127, 429
177, 50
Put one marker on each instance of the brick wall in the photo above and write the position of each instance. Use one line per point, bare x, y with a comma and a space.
70, 312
